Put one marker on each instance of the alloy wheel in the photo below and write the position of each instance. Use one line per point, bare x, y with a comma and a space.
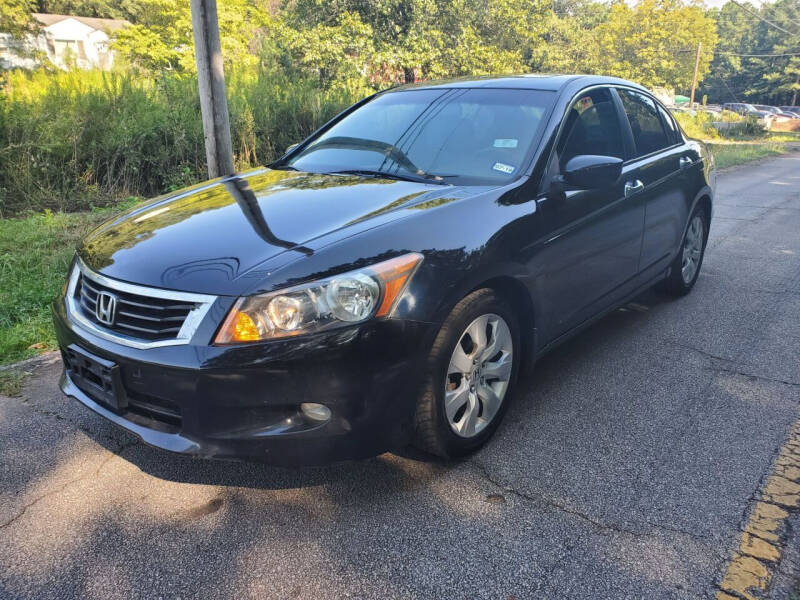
478, 375
692, 249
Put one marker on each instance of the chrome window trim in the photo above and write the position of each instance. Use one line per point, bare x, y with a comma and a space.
186, 333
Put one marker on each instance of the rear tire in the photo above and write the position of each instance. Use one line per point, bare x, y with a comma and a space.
685, 268
468, 382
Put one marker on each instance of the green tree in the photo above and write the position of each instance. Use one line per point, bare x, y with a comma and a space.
748, 65
15, 17
161, 37
106, 9
730, 74
561, 36
654, 42
785, 82
17, 21
340, 52
414, 39
780, 74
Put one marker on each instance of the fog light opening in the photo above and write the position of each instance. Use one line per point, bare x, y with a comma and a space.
316, 412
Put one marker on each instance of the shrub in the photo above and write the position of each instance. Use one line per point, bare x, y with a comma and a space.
698, 125
77, 139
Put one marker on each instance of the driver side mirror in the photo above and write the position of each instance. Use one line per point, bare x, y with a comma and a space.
589, 171
290, 148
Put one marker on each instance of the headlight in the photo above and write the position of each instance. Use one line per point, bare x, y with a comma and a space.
347, 298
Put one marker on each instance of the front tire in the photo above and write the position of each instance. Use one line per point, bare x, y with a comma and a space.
685, 269
470, 373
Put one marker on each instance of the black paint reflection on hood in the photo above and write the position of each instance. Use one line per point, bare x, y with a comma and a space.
207, 237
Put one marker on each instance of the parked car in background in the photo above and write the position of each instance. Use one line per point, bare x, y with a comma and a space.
739, 107
763, 117
774, 110
747, 110
386, 279
795, 110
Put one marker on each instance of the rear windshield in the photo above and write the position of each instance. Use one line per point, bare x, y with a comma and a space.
463, 136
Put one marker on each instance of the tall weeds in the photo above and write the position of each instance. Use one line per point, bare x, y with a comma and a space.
72, 140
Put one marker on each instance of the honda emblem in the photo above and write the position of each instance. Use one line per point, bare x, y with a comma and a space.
106, 308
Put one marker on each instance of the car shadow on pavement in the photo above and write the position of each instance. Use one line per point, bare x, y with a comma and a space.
379, 472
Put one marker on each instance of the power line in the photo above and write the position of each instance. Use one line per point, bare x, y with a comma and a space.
735, 99
760, 55
738, 16
768, 22
772, 7
715, 52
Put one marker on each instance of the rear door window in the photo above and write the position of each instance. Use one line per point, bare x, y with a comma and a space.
648, 130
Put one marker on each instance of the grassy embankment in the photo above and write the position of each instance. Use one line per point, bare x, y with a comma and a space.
735, 149
732, 154
35, 252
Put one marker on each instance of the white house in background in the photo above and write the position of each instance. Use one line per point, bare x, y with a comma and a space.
66, 40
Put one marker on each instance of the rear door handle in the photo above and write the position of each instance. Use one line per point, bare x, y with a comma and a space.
685, 161
631, 187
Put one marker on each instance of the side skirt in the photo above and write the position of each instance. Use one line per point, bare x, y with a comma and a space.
591, 320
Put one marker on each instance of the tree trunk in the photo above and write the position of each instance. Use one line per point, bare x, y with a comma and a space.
409, 75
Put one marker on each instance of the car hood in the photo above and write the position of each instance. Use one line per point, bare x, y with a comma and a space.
211, 238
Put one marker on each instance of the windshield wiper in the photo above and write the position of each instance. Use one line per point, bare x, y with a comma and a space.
385, 175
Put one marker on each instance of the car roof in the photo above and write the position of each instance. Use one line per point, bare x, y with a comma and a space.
531, 81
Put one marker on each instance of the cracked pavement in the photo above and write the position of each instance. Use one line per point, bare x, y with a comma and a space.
624, 468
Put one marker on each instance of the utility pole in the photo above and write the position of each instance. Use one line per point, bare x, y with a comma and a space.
211, 83
694, 79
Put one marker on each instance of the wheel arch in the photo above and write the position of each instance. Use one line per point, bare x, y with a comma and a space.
703, 200
705, 203
513, 291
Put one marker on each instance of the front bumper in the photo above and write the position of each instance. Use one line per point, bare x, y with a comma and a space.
243, 402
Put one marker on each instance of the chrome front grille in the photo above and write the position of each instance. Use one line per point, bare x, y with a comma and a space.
141, 317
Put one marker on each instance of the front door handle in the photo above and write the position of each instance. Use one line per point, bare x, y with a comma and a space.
631, 187
685, 161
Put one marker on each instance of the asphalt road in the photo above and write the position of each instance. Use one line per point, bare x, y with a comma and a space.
624, 469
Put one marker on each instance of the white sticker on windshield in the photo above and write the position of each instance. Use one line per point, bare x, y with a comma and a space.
506, 143
503, 168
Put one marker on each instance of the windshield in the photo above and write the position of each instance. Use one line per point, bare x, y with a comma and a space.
463, 136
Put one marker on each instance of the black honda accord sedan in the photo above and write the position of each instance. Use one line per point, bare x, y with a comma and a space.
386, 279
